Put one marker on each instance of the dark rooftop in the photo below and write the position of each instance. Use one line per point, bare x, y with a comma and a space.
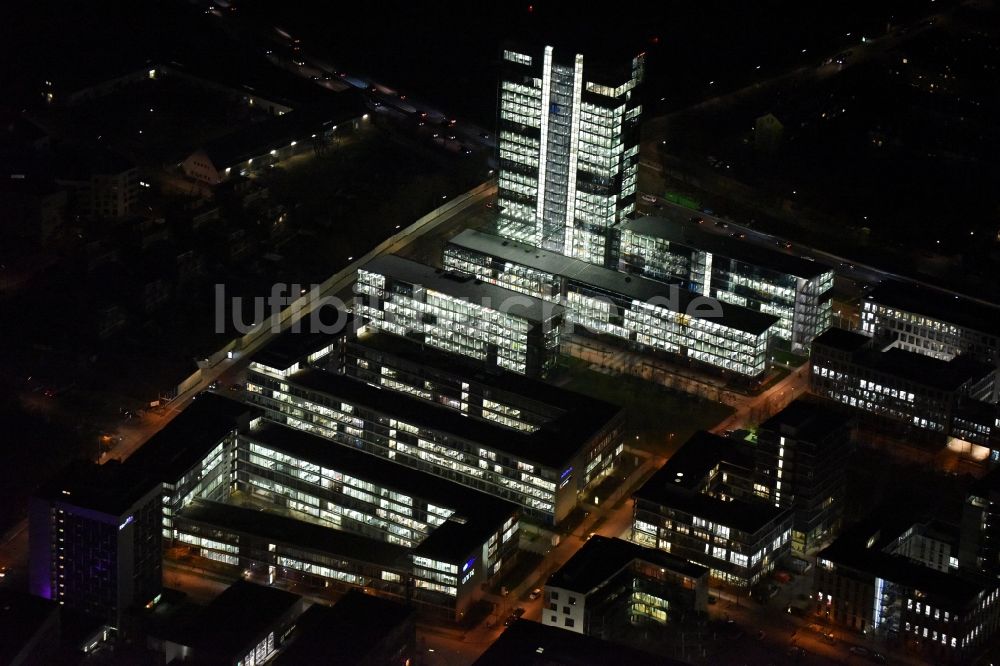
110, 488
293, 532
551, 447
810, 421
236, 619
277, 132
462, 286
291, 347
678, 484
910, 366
842, 339
600, 558
478, 515
567, 407
961, 311
953, 589
694, 236
528, 643
189, 437
673, 296
347, 633
22, 616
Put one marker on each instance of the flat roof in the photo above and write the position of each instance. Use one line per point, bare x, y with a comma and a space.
673, 296
22, 616
297, 533
463, 286
577, 411
345, 634
811, 421
236, 618
938, 304
547, 447
692, 235
189, 436
842, 339
954, 589
911, 366
279, 131
478, 515
676, 484
600, 558
111, 488
529, 643
292, 346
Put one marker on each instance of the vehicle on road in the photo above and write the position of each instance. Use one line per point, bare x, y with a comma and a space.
649, 198
721, 224
535, 593
737, 234
859, 651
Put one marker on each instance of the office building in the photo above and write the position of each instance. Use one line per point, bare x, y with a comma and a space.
931, 322
611, 583
801, 464
244, 626
459, 314
568, 150
701, 506
638, 311
795, 290
979, 548
359, 630
95, 541
534, 644
294, 506
923, 394
873, 579
544, 471
502, 398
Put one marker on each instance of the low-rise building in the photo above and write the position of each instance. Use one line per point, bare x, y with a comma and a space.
944, 399
544, 471
931, 322
701, 506
635, 310
359, 630
796, 290
876, 578
457, 313
610, 583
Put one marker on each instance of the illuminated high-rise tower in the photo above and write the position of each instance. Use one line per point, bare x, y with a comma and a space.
569, 151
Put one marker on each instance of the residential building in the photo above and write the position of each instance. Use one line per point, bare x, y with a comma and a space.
870, 580
359, 630
102, 184
459, 314
544, 471
641, 312
941, 399
568, 150
701, 506
95, 541
611, 583
801, 457
931, 322
796, 290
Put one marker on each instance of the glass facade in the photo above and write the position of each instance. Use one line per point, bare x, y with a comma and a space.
492, 329
568, 153
802, 303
